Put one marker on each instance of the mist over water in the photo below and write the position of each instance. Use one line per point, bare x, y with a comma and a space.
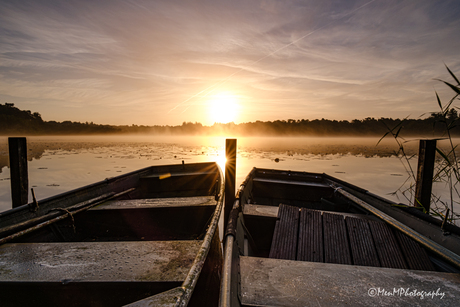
60, 164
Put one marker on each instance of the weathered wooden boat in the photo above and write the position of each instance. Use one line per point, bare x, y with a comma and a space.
301, 239
146, 238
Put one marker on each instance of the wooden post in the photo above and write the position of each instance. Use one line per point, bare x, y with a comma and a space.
230, 177
425, 170
18, 171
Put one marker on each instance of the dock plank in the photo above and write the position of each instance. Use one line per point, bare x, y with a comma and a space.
361, 243
336, 248
310, 244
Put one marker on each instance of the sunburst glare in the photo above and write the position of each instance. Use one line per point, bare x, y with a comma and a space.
221, 159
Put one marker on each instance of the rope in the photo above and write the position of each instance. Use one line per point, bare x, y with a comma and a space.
71, 216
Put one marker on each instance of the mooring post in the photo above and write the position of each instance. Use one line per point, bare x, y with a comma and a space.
425, 171
230, 177
18, 171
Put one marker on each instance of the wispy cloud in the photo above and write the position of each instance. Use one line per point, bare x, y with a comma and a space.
156, 62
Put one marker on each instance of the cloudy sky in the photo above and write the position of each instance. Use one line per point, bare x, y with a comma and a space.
168, 61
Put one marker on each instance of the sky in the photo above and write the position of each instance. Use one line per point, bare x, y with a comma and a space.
168, 62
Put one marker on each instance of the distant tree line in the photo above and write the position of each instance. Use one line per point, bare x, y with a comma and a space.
14, 121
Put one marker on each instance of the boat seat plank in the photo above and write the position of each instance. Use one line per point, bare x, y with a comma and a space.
178, 184
416, 257
157, 203
260, 210
147, 261
361, 244
178, 174
389, 253
336, 248
275, 282
284, 243
275, 191
293, 182
272, 211
145, 219
310, 246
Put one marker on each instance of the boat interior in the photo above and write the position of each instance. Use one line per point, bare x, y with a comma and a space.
140, 242
291, 224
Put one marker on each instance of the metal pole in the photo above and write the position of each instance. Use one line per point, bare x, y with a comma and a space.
18, 171
230, 178
425, 170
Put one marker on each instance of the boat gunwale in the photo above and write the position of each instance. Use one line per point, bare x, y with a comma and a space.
192, 278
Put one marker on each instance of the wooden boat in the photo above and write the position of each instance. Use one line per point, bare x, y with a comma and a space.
146, 238
301, 239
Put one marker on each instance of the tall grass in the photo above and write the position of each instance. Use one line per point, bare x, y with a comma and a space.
447, 169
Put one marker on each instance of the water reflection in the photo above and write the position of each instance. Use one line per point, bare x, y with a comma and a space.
59, 164
160, 147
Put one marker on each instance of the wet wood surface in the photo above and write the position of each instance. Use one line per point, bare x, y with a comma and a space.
275, 282
310, 235
157, 203
286, 232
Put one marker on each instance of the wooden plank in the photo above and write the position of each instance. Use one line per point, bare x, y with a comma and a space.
163, 176
310, 245
154, 261
284, 243
425, 171
274, 282
336, 248
157, 203
361, 244
416, 257
18, 171
272, 211
286, 190
230, 178
389, 253
178, 184
294, 182
260, 210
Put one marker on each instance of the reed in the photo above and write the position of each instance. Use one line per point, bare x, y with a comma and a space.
447, 169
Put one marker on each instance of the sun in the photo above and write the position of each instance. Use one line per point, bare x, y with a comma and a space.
223, 108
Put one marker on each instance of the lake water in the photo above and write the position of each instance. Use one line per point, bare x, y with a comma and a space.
59, 164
